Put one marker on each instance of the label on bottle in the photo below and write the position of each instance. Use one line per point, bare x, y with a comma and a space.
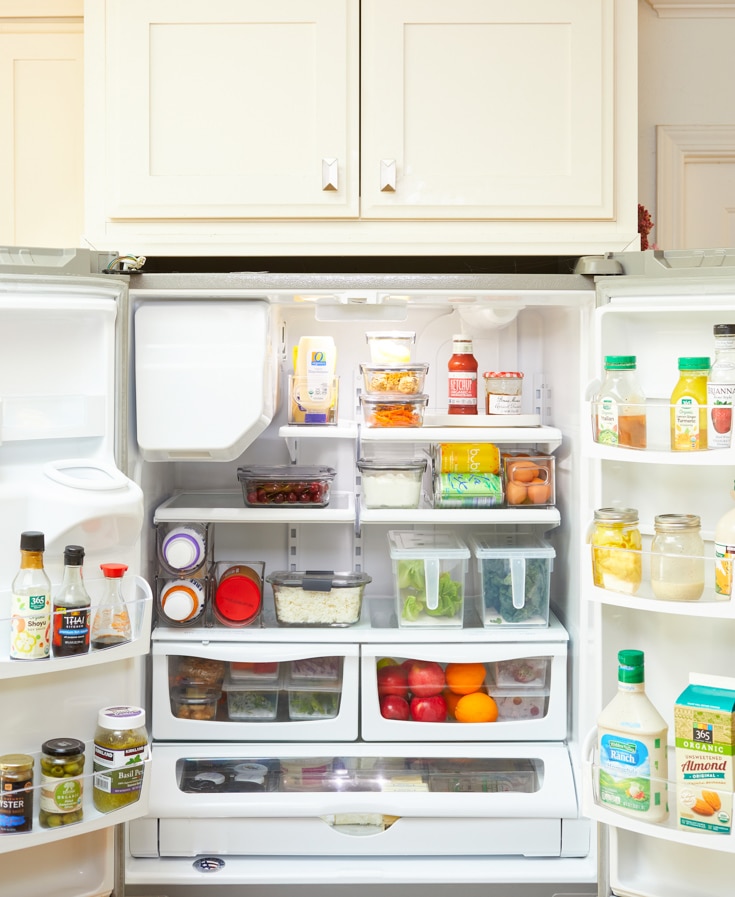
30, 626
720, 399
625, 770
119, 772
723, 569
71, 630
463, 391
686, 425
608, 432
16, 804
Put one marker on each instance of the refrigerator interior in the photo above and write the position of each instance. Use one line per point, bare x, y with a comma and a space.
658, 322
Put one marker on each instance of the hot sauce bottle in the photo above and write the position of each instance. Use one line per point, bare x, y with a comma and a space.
462, 380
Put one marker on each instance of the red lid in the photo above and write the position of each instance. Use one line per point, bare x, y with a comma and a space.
237, 599
113, 571
504, 374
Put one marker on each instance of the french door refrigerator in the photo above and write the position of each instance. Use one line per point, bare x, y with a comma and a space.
129, 404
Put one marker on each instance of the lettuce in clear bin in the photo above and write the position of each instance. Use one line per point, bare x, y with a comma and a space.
498, 591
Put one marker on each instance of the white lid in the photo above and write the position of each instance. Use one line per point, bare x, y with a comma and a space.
179, 602
121, 716
183, 548
426, 543
497, 545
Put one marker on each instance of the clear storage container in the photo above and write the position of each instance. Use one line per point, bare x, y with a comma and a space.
317, 597
315, 699
400, 379
286, 485
386, 412
521, 672
195, 702
520, 703
390, 346
529, 479
429, 569
392, 484
252, 701
515, 575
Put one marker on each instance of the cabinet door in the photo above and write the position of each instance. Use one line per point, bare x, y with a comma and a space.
237, 109
488, 109
41, 125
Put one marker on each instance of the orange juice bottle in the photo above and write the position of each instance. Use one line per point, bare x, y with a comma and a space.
689, 406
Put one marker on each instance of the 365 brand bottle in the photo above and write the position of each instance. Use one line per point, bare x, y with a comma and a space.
30, 608
721, 386
71, 608
462, 380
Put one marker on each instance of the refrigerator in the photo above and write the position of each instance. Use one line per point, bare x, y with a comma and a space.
132, 397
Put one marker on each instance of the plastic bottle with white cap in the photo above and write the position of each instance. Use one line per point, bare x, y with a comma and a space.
182, 600
184, 548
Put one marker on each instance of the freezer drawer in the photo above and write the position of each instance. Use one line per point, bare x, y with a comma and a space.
526, 681
360, 800
254, 692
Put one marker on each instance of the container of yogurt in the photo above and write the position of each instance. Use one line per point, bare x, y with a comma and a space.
392, 484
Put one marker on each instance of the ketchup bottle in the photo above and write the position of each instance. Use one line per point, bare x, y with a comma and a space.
462, 377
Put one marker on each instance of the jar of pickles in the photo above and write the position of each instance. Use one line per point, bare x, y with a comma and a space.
62, 782
616, 550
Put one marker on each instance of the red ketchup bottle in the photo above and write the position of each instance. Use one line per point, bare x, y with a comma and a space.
462, 377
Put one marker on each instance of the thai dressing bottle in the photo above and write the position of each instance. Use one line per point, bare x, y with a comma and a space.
619, 416
632, 742
689, 406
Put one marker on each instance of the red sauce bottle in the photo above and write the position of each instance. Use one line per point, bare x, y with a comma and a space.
462, 380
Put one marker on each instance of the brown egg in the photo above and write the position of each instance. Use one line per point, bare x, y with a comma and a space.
522, 471
539, 491
515, 493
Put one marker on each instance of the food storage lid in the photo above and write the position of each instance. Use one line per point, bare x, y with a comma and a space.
121, 717
318, 580
426, 543
238, 596
288, 472
62, 747
182, 600
387, 398
724, 330
504, 545
231, 685
675, 523
616, 515
396, 368
293, 683
697, 363
183, 548
308, 668
620, 362
409, 464
254, 671
196, 695
503, 375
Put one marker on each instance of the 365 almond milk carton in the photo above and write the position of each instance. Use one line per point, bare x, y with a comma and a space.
704, 725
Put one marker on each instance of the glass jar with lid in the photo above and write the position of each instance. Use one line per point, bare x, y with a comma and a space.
62, 782
16, 793
677, 558
120, 752
616, 550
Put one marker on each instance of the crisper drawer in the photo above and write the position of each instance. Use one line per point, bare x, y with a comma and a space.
471, 692
255, 692
360, 800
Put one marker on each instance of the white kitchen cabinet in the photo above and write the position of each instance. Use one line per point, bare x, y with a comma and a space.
41, 122
334, 126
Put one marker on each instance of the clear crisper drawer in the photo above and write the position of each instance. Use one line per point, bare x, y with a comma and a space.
254, 692
359, 800
512, 691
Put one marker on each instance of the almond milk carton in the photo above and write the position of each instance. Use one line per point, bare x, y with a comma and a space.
704, 725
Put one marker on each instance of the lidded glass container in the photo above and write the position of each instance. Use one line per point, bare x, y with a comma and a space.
616, 550
677, 558
62, 782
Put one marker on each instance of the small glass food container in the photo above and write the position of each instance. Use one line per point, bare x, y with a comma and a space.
62, 782
397, 379
254, 671
390, 346
677, 558
392, 484
317, 597
382, 411
616, 550
291, 485
503, 392
195, 702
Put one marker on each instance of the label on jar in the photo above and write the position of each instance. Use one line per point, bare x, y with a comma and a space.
16, 805
61, 795
498, 403
126, 768
463, 390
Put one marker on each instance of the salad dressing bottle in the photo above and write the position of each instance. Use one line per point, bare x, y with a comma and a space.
632, 742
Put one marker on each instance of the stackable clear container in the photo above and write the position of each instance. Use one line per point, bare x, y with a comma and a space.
386, 412
395, 379
429, 570
390, 346
515, 573
286, 486
392, 483
313, 698
253, 701
317, 598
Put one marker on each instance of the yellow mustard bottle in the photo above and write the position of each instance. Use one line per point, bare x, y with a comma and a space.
689, 406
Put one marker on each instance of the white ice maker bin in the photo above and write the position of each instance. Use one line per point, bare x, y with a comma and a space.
205, 378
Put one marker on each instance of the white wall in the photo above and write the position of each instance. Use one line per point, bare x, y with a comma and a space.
686, 75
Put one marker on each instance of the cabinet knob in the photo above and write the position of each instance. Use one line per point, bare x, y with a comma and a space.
330, 174
387, 175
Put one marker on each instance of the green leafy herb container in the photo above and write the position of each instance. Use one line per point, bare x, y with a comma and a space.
317, 699
515, 574
429, 570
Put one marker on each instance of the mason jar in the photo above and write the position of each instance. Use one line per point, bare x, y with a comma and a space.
677, 558
616, 550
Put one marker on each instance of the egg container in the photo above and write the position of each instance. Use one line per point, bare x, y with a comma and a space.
528, 479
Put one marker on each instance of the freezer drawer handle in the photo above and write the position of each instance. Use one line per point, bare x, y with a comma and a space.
208, 864
387, 175
330, 174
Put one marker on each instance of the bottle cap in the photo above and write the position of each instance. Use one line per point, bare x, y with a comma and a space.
113, 571
238, 597
700, 363
630, 666
620, 362
32, 540
62, 747
181, 601
671, 523
183, 549
724, 330
616, 515
121, 717
73, 555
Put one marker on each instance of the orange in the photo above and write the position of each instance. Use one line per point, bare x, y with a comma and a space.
451, 700
464, 678
476, 708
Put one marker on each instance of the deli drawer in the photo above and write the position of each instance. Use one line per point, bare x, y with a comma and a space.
361, 800
254, 692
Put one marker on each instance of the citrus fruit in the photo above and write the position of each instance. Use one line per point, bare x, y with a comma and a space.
386, 662
465, 678
476, 708
451, 701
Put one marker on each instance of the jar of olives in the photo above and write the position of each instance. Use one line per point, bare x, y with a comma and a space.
62, 782
120, 752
